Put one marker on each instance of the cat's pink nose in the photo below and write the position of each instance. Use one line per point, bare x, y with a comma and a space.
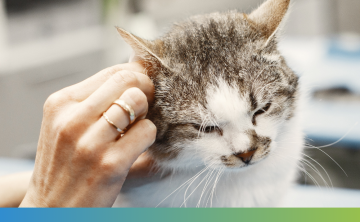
246, 156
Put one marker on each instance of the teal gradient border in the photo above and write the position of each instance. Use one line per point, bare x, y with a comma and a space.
183, 215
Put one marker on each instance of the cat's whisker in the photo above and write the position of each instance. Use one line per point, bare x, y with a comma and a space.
216, 183
205, 186
203, 123
214, 186
314, 168
319, 148
303, 170
311, 177
185, 199
186, 182
311, 166
320, 166
222, 171
311, 146
209, 190
189, 185
331, 144
213, 120
329, 157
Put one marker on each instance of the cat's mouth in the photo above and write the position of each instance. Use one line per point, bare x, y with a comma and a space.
240, 161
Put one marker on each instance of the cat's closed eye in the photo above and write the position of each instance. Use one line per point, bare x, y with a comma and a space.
207, 129
260, 111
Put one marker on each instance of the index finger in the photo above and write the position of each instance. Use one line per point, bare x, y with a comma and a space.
84, 89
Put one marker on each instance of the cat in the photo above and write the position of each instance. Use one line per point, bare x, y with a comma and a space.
226, 110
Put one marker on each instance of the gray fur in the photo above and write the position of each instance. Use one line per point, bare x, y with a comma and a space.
186, 61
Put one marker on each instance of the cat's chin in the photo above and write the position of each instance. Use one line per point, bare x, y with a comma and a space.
240, 167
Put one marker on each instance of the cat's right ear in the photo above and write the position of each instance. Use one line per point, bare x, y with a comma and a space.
269, 17
143, 49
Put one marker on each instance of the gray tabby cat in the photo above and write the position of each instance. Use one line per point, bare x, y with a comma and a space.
225, 109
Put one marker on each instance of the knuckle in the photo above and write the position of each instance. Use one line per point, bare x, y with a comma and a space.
89, 107
64, 130
82, 154
55, 101
69, 129
110, 71
108, 166
125, 78
51, 102
86, 153
70, 124
138, 97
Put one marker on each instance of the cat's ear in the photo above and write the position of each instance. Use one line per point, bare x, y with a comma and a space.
143, 49
269, 16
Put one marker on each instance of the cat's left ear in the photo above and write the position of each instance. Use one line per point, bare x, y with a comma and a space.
143, 49
269, 17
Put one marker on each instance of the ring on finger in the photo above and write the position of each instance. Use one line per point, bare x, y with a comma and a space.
113, 124
122, 104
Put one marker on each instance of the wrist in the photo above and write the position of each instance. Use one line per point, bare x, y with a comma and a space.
29, 201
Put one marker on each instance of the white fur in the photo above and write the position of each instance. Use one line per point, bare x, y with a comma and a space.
262, 184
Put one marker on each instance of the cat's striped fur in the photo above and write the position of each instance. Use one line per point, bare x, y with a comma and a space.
221, 89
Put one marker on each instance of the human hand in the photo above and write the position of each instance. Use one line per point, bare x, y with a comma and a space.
81, 161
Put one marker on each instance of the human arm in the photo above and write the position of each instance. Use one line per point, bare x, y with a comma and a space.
13, 188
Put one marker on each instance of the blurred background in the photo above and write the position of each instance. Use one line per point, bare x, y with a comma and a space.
46, 45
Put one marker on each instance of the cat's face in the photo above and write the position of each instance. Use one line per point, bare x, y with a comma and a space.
228, 121
222, 90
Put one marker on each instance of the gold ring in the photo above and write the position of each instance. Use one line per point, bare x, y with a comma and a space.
111, 123
122, 104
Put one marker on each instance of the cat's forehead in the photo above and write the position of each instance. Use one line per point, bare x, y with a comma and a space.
207, 46
225, 102
212, 38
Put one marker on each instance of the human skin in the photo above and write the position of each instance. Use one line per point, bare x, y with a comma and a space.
81, 160
14, 186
